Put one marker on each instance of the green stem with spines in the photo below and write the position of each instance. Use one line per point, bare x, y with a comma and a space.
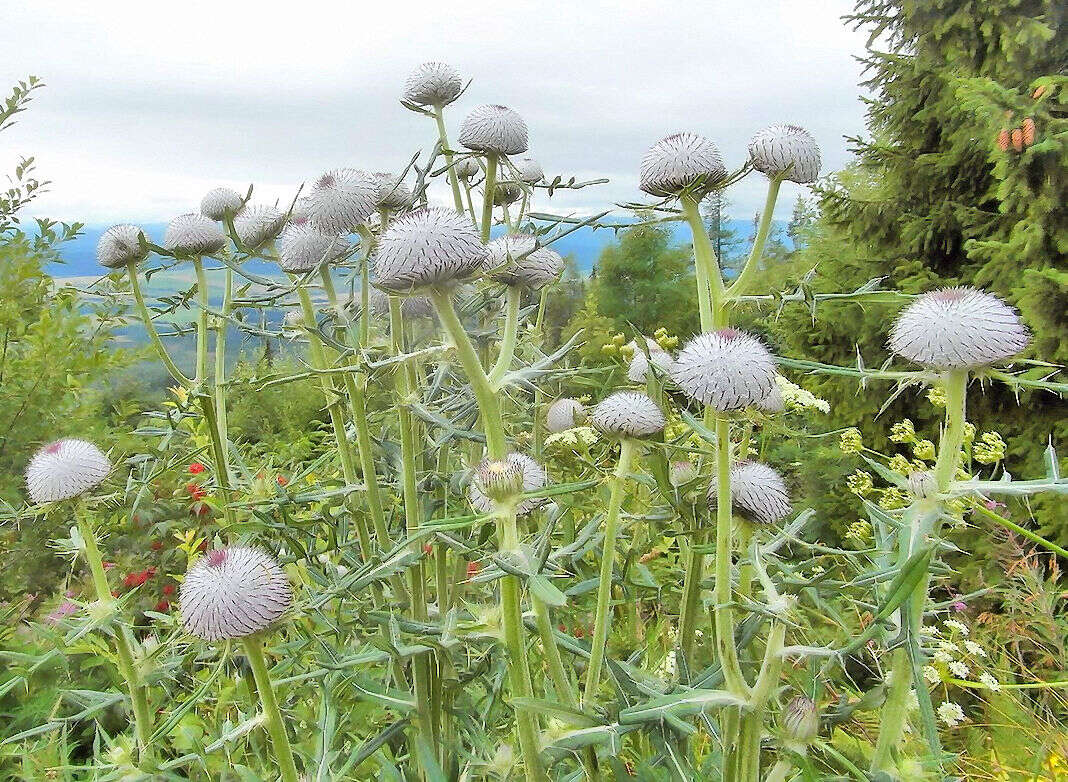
723, 613
283, 752
557, 672
443, 136
487, 201
710, 292
220, 365
153, 335
752, 263
511, 331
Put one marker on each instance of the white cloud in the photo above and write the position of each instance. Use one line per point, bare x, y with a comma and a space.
149, 105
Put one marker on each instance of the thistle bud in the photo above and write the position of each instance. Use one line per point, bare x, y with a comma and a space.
922, 484
341, 200
726, 370
800, 720
467, 168
495, 129
432, 84
393, 194
527, 170
681, 472
220, 202
683, 161
628, 414
412, 307
505, 193
564, 414
758, 493
516, 259
786, 151
427, 247
120, 245
505, 479
232, 593
193, 234
639, 362
65, 469
257, 224
301, 247
958, 328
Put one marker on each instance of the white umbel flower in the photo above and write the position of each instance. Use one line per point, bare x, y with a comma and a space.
193, 234
726, 370
958, 328
679, 162
516, 259
392, 192
65, 469
527, 170
532, 477
302, 247
628, 414
758, 493
787, 150
467, 168
120, 245
495, 129
639, 362
432, 83
258, 223
219, 202
427, 247
564, 414
233, 592
341, 200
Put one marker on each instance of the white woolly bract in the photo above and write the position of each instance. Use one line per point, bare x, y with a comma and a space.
527, 170
681, 472
216, 203
681, 161
233, 592
758, 492
302, 247
467, 168
958, 328
786, 149
564, 414
193, 234
492, 128
258, 223
516, 259
726, 370
427, 247
639, 362
432, 83
628, 414
534, 477
65, 469
392, 192
120, 245
341, 200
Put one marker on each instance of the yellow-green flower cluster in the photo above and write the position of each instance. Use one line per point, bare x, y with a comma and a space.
903, 432
613, 346
860, 483
665, 340
851, 441
796, 398
923, 449
860, 531
936, 395
990, 449
580, 436
893, 498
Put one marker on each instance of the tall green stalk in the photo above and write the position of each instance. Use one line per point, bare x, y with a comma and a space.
752, 263
443, 136
513, 296
487, 200
253, 646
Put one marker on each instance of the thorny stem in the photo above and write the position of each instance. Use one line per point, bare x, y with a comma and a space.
724, 614
439, 117
487, 201
752, 263
511, 331
557, 672
253, 646
153, 335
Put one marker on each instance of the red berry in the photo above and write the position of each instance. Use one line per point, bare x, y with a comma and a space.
196, 468
168, 589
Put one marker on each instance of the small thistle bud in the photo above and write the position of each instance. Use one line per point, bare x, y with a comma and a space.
219, 202
501, 477
427, 247
233, 592
516, 259
726, 370
301, 247
758, 493
193, 234
683, 161
341, 200
922, 484
628, 414
564, 414
496, 129
392, 192
800, 720
958, 328
527, 170
467, 168
786, 151
681, 472
120, 245
257, 224
639, 362
432, 84
65, 469
293, 323
505, 193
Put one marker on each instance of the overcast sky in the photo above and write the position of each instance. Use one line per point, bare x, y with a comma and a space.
149, 105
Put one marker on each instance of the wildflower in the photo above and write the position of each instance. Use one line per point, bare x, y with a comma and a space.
427, 247
193, 234
948, 646
156, 545
639, 363
801, 720
472, 570
936, 395
281, 480
628, 414
341, 200
168, 589
726, 370
432, 84
219, 202
758, 493
518, 472
975, 648
61, 612
392, 193
120, 245
931, 674
65, 469
893, 498
796, 398
924, 449
681, 162
516, 259
302, 247
786, 151
951, 714
903, 432
528, 170
196, 468
163, 607
494, 129
990, 449
959, 626
860, 531
850, 441
959, 669
258, 224
860, 483
196, 491
990, 682
563, 414
899, 464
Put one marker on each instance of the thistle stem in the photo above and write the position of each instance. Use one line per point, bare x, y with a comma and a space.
710, 294
470, 204
443, 136
220, 366
511, 331
202, 321
752, 263
557, 672
723, 613
487, 201
253, 646
153, 335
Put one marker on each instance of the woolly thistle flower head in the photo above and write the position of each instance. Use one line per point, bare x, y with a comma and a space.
432, 84
726, 370
681, 472
412, 307
639, 362
65, 469
922, 484
532, 476
392, 192
217, 203
773, 402
564, 414
516, 259
758, 493
427, 247
302, 247
786, 150
258, 223
527, 170
233, 592
495, 129
800, 719
193, 234
958, 328
342, 199
628, 414
679, 162
120, 245
467, 168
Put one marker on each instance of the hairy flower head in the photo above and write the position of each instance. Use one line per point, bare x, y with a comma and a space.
467, 168
564, 414
120, 245
392, 192
801, 720
726, 370
758, 492
65, 469
302, 247
217, 203
193, 234
516, 259
341, 200
628, 414
516, 473
786, 150
639, 361
495, 129
258, 223
527, 170
427, 247
432, 83
682, 161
